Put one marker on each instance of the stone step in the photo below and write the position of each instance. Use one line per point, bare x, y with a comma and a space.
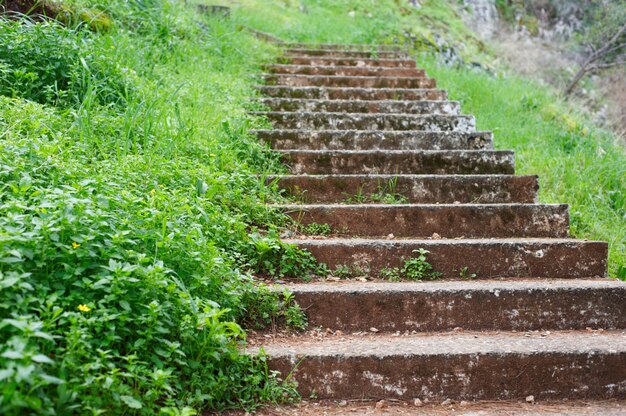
481, 305
375, 140
333, 46
466, 366
362, 106
446, 220
368, 121
344, 53
396, 162
488, 258
340, 93
357, 62
348, 81
346, 71
416, 189
312, 407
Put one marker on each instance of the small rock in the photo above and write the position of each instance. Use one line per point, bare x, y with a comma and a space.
338, 333
418, 403
390, 237
530, 399
463, 403
381, 404
343, 403
372, 329
436, 236
446, 402
458, 329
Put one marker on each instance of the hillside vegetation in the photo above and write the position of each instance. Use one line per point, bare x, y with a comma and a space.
132, 197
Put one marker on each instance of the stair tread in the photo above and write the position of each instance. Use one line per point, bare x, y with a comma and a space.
454, 286
443, 241
447, 343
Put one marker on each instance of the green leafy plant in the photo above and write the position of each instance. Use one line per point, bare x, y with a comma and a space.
314, 228
415, 268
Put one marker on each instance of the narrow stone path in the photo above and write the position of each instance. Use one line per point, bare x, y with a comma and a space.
383, 159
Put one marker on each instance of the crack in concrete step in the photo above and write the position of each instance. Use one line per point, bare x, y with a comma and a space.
347, 93
488, 258
399, 161
424, 189
504, 305
284, 139
446, 220
467, 366
362, 106
289, 80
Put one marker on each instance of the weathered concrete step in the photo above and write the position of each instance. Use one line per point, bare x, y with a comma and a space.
417, 189
468, 366
334, 46
488, 258
344, 53
316, 162
435, 408
339, 93
447, 220
482, 305
357, 62
375, 140
363, 106
346, 71
369, 121
348, 81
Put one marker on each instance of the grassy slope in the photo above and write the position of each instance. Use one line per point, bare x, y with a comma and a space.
578, 163
130, 217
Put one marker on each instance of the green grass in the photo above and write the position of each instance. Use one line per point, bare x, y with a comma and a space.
131, 218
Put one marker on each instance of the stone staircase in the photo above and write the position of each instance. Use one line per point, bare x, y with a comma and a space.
539, 319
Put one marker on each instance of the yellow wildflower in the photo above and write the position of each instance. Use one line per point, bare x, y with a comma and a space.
75, 245
152, 192
84, 308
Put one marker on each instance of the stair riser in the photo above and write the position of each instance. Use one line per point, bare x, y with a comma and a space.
334, 106
352, 93
339, 53
357, 62
470, 310
421, 190
333, 46
499, 162
342, 121
375, 140
488, 259
545, 375
346, 71
348, 82
483, 221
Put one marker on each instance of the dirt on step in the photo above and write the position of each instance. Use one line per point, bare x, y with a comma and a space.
384, 407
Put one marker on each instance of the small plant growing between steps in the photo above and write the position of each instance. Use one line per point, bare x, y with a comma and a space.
464, 273
385, 194
315, 229
415, 268
344, 271
272, 309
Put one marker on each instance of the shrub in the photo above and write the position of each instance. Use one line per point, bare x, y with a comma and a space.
47, 63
